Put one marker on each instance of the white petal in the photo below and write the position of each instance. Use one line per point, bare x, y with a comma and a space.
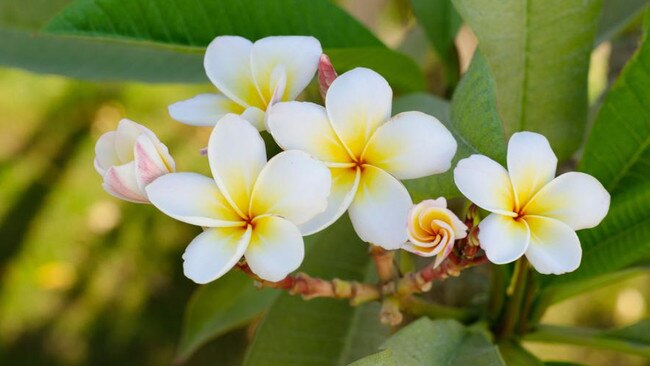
380, 209
531, 164
120, 181
214, 252
126, 134
577, 199
277, 84
417, 250
105, 154
149, 164
298, 55
255, 116
228, 65
203, 109
357, 103
237, 154
486, 183
292, 185
276, 248
411, 145
305, 126
554, 247
194, 199
503, 238
345, 182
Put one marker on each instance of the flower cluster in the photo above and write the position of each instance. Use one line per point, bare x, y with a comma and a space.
346, 156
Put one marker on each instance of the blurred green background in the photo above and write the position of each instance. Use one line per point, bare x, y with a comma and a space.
88, 279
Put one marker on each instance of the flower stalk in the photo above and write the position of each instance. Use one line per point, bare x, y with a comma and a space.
515, 293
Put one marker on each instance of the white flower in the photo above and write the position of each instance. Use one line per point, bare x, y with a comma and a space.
250, 77
250, 208
129, 158
367, 152
433, 229
533, 213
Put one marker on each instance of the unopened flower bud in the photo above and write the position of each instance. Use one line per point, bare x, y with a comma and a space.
130, 158
433, 229
326, 74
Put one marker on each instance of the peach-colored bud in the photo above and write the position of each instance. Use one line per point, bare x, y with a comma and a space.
130, 158
326, 74
433, 229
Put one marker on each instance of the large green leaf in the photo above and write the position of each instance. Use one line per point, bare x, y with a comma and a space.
321, 331
400, 70
473, 120
197, 22
440, 342
21, 45
221, 306
539, 53
617, 153
102, 55
189, 26
617, 14
99, 60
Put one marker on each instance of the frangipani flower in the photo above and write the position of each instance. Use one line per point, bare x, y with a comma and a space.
367, 152
433, 229
250, 77
129, 158
533, 213
250, 208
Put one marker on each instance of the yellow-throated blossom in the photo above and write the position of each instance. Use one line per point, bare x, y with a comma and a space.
250, 77
129, 158
433, 230
367, 152
533, 213
250, 208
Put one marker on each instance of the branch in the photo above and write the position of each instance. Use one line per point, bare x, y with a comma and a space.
310, 287
421, 281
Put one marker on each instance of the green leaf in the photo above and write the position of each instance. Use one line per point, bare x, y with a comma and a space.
197, 22
633, 339
440, 342
219, 307
99, 60
21, 45
559, 292
383, 358
189, 26
617, 153
616, 15
441, 22
321, 331
401, 71
638, 332
539, 53
516, 355
473, 120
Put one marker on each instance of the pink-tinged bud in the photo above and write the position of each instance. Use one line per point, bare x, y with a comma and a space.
433, 229
326, 74
130, 158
